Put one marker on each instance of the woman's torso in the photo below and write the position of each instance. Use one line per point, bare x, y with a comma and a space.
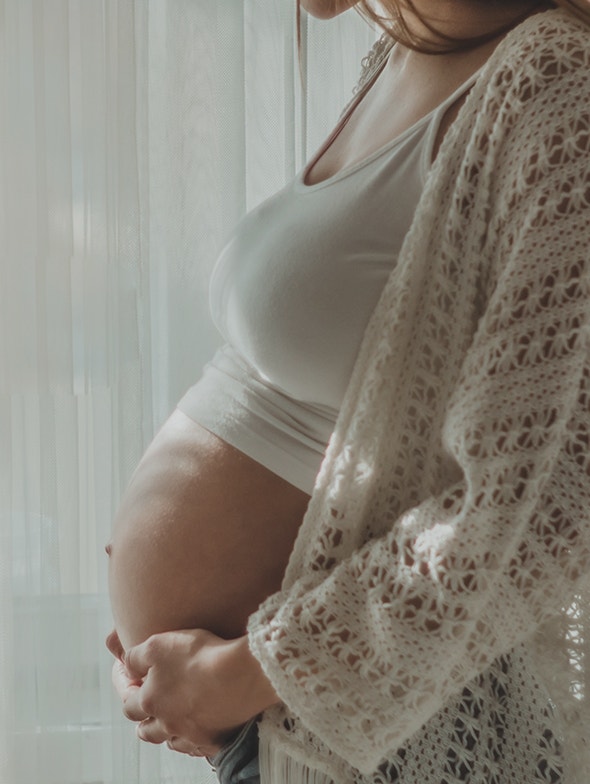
204, 531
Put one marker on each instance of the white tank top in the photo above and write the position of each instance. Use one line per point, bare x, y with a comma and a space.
292, 293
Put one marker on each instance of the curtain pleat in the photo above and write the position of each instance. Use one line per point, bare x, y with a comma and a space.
133, 136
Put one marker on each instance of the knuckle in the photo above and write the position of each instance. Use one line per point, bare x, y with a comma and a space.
152, 646
147, 704
128, 712
172, 728
128, 706
143, 734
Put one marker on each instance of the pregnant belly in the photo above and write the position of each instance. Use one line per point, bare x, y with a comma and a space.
202, 536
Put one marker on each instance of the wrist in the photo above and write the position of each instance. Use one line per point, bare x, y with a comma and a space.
262, 693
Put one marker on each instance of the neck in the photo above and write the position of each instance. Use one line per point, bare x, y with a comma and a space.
436, 21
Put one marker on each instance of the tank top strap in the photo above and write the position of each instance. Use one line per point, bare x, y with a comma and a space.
429, 131
455, 96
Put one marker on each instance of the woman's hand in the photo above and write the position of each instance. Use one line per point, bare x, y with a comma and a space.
190, 688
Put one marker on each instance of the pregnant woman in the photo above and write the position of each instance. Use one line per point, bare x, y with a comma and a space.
419, 297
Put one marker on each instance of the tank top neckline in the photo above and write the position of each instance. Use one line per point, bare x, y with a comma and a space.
432, 117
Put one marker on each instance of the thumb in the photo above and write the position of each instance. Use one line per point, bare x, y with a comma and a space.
114, 645
139, 659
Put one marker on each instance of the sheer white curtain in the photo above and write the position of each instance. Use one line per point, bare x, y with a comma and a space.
133, 135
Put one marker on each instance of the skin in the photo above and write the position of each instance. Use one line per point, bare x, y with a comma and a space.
195, 503
202, 536
152, 680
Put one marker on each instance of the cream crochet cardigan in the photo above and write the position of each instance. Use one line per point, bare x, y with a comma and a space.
433, 624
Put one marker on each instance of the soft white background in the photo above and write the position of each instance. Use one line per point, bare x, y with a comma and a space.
133, 135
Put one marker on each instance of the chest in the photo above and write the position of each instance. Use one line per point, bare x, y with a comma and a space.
391, 104
369, 125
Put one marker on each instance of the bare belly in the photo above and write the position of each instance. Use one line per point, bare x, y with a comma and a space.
202, 536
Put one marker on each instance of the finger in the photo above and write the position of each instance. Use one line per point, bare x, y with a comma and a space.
152, 730
139, 659
121, 679
128, 692
183, 746
113, 643
132, 709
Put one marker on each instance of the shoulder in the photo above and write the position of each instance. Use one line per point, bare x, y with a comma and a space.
521, 141
547, 48
533, 92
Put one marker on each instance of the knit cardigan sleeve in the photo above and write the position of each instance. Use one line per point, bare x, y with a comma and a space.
371, 638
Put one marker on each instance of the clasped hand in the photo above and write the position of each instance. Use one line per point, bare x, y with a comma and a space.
189, 688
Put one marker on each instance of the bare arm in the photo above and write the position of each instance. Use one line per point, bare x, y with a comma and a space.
327, 9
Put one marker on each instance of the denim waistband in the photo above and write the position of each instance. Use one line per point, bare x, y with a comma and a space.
237, 761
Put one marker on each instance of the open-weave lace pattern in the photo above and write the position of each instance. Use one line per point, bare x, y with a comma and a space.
431, 624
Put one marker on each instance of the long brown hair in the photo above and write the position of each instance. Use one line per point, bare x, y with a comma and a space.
579, 8
393, 22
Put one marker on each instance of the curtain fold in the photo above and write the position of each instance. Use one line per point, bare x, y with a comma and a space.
133, 136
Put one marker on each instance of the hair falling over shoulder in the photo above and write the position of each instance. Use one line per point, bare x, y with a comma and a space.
579, 8
390, 16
